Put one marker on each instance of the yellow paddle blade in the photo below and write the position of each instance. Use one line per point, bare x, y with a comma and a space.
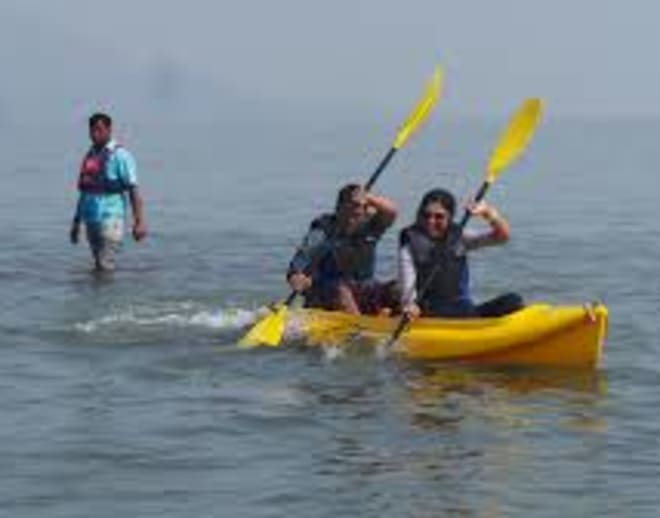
515, 137
422, 109
268, 331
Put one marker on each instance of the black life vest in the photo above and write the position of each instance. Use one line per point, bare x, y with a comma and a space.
344, 257
93, 177
450, 285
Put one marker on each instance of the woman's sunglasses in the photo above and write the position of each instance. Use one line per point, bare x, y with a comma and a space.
435, 216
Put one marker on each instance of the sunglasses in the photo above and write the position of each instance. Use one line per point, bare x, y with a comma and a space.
435, 216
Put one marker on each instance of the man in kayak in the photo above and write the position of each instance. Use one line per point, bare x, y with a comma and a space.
435, 240
334, 267
107, 175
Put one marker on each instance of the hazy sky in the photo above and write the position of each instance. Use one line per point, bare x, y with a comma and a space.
585, 57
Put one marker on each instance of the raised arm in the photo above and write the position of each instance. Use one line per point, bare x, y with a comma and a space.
384, 208
498, 233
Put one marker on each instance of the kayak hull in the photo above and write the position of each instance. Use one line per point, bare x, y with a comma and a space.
540, 334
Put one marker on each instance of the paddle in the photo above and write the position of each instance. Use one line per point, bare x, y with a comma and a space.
269, 330
510, 146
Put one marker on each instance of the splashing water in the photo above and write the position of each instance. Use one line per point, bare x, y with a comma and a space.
183, 315
333, 353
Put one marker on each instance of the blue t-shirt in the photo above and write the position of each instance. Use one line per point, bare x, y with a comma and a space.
97, 208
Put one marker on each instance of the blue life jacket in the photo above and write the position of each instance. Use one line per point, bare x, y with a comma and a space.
93, 176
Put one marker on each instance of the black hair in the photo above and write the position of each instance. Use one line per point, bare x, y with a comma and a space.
346, 194
103, 118
441, 196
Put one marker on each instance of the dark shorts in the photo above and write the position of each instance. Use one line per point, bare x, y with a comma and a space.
372, 297
497, 307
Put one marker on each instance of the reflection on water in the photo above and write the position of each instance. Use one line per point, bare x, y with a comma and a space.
436, 379
443, 397
428, 440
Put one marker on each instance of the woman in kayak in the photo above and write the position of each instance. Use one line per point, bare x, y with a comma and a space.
435, 240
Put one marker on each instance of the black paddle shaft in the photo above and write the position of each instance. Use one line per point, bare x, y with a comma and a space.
405, 319
383, 163
467, 214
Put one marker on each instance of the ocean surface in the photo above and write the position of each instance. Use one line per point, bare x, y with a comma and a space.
127, 396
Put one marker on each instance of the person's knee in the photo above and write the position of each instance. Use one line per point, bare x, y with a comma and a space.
104, 262
105, 257
514, 301
346, 298
344, 292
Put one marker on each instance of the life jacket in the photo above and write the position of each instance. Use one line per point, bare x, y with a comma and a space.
351, 258
450, 284
93, 176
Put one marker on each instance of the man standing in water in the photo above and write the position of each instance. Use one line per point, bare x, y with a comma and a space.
107, 174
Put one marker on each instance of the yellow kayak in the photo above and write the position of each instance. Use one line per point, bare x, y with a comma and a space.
540, 334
